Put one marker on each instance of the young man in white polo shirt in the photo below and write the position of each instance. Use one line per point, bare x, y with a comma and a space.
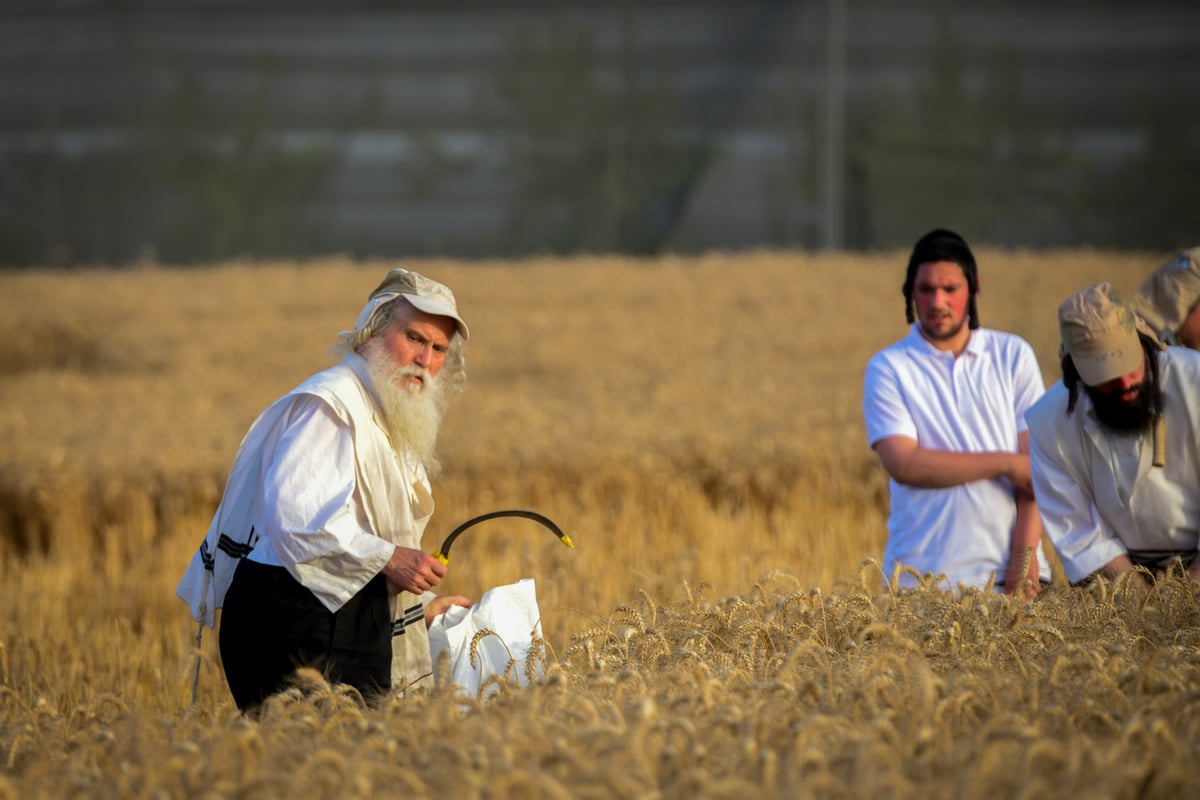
944, 410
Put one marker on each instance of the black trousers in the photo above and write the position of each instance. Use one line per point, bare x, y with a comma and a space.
1161, 560
1157, 561
271, 624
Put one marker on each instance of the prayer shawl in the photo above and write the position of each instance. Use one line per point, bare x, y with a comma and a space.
394, 494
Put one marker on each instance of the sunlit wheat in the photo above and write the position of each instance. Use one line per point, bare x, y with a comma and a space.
722, 628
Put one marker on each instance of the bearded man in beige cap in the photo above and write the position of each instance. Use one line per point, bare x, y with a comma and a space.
1169, 300
314, 554
1116, 466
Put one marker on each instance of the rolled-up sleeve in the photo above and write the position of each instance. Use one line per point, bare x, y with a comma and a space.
310, 512
1083, 542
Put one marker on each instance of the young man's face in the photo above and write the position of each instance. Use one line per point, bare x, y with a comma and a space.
941, 298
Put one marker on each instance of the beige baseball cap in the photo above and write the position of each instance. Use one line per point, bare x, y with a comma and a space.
1170, 293
1100, 332
423, 293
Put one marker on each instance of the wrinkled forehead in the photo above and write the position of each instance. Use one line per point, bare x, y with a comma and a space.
436, 327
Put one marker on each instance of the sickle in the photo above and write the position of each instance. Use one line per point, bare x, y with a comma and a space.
443, 555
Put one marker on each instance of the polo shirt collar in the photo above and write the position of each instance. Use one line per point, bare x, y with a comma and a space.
976, 344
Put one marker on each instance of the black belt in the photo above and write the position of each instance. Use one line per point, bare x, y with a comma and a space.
1160, 560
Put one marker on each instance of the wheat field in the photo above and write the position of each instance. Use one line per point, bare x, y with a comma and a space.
721, 627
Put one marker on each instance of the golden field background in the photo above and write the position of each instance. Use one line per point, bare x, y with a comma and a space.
718, 630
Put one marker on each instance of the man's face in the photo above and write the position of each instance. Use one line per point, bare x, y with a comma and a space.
941, 297
418, 345
1124, 403
1189, 331
403, 364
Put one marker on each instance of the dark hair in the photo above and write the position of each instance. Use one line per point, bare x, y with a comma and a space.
941, 244
1070, 375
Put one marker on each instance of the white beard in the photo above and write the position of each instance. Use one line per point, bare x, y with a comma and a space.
412, 412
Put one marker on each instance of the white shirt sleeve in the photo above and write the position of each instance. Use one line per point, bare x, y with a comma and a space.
1072, 522
1028, 385
311, 514
885, 411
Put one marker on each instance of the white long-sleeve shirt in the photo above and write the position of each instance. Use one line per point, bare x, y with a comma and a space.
311, 517
316, 488
1098, 492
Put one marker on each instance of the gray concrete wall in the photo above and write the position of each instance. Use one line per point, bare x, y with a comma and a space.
396, 89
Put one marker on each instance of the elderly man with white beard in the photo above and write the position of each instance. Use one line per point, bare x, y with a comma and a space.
314, 554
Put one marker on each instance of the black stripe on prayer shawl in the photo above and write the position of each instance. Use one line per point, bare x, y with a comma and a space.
227, 546
410, 616
238, 549
232, 548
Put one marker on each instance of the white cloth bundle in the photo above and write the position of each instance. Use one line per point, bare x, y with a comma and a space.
512, 625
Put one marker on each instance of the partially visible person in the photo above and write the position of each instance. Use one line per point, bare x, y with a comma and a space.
314, 554
944, 410
1169, 300
1115, 444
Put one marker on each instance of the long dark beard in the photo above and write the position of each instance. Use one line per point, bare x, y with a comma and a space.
1127, 418
413, 417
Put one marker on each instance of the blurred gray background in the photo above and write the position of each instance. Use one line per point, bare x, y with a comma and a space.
186, 131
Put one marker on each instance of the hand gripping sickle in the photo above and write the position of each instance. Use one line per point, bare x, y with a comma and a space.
443, 554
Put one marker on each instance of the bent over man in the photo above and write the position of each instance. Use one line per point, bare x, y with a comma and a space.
314, 554
1115, 444
1169, 300
944, 410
